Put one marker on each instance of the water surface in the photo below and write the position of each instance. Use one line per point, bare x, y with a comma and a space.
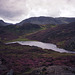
42, 45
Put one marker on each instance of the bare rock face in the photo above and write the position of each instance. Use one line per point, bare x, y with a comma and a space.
54, 70
10, 72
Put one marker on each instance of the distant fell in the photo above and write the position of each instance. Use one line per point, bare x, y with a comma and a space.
2, 23
48, 20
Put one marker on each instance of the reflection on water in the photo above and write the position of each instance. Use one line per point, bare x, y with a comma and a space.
42, 45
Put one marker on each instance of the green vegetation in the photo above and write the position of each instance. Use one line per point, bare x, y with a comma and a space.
18, 39
48, 26
53, 26
60, 43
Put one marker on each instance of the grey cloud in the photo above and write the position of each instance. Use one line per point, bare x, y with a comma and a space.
10, 15
17, 10
12, 9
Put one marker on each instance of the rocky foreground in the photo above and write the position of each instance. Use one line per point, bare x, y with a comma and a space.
16, 59
54, 70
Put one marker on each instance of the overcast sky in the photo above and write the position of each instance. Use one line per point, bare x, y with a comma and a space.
18, 10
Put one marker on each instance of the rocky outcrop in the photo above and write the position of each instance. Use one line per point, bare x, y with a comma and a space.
54, 70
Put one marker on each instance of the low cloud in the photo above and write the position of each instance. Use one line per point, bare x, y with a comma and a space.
17, 10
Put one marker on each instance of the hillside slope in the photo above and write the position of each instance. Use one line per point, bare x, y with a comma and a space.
11, 32
61, 35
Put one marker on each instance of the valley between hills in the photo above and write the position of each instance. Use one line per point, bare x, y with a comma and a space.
19, 59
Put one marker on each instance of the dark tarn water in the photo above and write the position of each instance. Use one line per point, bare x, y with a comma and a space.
42, 45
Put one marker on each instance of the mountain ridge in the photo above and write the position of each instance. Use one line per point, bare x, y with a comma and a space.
48, 20
2, 23
42, 20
